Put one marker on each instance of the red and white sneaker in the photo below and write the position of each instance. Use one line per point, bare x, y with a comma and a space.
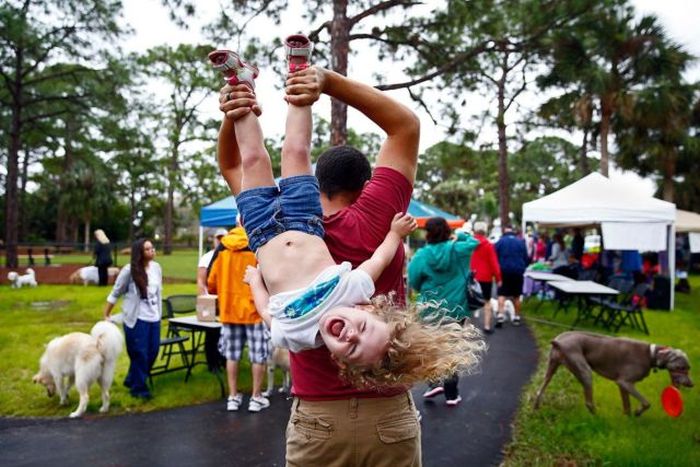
234, 69
298, 49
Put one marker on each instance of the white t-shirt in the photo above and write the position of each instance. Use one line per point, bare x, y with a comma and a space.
295, 314
205, 259
149, 308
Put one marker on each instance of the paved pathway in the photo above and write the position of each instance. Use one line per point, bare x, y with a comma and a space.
471, 434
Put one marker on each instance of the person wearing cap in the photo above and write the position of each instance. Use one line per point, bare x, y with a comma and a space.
241, 324
205, 261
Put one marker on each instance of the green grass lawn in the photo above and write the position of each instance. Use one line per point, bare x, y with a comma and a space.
182, 264
26, 327
563, 432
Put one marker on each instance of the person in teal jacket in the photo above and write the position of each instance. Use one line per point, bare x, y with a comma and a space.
439, 272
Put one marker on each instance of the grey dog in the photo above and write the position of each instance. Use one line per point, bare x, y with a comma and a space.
624, 361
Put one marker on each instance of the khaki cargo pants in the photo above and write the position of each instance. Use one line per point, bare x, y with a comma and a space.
372, 432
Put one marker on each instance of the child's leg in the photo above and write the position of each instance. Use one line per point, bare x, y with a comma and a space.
296, 149
255, 161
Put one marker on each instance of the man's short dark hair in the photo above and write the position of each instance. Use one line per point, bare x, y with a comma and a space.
342, 169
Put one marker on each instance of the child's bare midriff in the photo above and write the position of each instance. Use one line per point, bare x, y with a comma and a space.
292, 260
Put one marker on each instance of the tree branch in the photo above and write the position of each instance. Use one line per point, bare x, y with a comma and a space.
386, 5
70, 97
452, 64
313, 35
56, 75
67, 31
422, 103
42, 116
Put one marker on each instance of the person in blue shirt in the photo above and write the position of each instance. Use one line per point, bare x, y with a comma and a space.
513, 260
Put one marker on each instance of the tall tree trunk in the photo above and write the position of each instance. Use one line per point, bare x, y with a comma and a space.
169, 205
86, 236
669, 188
340, 47
24, 176
132, 212
503, 179
606, 115
11, 207
583, 159
63, 219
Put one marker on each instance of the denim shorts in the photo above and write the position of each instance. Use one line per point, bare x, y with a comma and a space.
269, 211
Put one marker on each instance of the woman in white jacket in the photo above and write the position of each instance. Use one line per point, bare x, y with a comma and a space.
141, 283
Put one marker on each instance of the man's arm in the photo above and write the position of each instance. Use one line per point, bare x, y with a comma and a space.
400, 149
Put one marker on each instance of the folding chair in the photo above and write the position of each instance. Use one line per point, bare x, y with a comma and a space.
630, 311
622, 284
173, 305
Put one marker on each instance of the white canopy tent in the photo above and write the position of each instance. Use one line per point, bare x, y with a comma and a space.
689, 222
629, 221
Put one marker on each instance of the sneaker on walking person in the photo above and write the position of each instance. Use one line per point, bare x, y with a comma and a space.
256, 404
516, 320
433, 391
234, 402
453, 402
500, 319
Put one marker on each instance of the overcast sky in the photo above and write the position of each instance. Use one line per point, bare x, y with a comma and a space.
153, 27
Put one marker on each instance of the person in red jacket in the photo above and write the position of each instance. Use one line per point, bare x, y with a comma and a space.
485, 268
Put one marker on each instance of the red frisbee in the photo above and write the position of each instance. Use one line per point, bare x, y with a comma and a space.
672, 401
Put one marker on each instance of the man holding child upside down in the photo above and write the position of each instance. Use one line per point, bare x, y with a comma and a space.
333, 423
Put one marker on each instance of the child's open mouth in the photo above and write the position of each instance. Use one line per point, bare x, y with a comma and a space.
336, 327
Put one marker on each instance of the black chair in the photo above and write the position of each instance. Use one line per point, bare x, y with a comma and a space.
630, 311
173, 343
622, 284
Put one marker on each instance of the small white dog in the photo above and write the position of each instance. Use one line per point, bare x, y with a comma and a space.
277, 358
508, 308
81, 359
18, 281
89, 275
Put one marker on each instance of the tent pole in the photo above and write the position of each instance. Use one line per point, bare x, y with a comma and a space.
201, 237
672, 262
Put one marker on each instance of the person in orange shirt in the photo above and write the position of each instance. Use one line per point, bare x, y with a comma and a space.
241, 322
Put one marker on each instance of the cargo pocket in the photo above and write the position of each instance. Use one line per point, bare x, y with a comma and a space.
311, 428
397, 429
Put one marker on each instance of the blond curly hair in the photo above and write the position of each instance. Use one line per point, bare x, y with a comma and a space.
425, 345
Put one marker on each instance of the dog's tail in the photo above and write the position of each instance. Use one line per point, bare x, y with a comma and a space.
109, 339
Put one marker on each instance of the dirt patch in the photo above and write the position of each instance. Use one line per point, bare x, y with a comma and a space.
60, 274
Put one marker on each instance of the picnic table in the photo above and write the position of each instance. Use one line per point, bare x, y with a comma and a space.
532, 278
580, 290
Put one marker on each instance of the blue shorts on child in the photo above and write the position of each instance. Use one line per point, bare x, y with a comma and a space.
269, 211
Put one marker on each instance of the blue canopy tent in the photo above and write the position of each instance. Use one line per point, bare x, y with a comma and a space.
223, 214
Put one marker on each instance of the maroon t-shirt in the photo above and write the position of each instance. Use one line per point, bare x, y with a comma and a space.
353, 234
